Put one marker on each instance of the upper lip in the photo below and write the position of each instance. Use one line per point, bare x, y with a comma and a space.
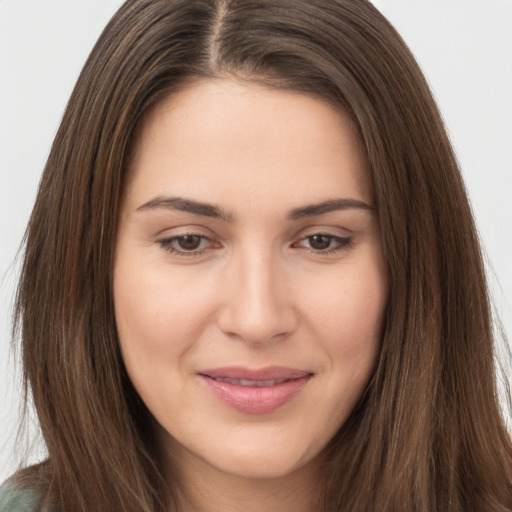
263, 374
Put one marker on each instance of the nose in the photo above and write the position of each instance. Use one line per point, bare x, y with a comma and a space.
257, 306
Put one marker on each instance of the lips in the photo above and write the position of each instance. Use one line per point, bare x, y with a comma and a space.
255, 391
251, 383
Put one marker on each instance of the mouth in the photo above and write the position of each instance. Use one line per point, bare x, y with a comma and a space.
251, 383
255, 391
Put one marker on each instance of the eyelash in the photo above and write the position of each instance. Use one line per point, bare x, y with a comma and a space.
342, 243
166, 244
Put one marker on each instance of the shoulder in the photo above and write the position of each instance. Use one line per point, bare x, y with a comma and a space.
14, 499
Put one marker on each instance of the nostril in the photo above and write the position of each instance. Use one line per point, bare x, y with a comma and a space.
263, 327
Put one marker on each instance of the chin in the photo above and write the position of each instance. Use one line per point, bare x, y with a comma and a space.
261, 460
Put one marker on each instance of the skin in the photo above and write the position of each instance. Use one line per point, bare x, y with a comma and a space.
251, 288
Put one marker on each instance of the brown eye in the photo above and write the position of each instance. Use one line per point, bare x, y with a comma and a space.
186, 245
320, 242
189, 242
324, 243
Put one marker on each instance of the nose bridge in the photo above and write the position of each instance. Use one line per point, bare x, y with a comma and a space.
257, 308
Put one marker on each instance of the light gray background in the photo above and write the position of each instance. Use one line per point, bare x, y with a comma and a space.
464, 47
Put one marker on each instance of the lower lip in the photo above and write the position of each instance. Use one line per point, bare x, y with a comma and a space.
255, 400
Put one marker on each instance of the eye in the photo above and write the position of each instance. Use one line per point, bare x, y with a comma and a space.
186, 245
323, 243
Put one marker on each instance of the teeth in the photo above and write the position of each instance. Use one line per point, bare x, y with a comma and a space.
251, 383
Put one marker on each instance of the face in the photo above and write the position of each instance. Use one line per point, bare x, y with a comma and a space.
249, 281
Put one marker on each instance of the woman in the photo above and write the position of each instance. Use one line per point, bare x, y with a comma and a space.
252, 279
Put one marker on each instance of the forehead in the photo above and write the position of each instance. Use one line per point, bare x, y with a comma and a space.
230, 137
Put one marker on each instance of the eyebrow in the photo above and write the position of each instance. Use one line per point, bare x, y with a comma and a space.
216, 212
186, 205
330, 205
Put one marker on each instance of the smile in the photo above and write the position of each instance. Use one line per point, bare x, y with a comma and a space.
251, 383
255, 391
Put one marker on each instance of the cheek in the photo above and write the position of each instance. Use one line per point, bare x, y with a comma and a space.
350, 307
159, 319
348, 319
159, 315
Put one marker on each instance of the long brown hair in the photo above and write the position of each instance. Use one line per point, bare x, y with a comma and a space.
427, 435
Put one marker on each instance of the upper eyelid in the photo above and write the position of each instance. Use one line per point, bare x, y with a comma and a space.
179, 231
334, 231
201, 229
